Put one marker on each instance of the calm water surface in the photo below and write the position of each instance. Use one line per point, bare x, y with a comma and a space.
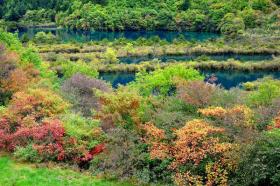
85, 36
227, 79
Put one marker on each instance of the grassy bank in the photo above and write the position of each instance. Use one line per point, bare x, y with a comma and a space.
273, 65
20, 174
157, 49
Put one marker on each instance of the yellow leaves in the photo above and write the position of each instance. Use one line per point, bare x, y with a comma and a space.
197, 126
155, 136
240, 115
186, 178
216, 112
33, 105
194, 142
159, 150
243, 115
120, 104
216, 174
154, 132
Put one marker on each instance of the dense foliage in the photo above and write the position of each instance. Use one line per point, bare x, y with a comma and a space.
171, 125
229, 17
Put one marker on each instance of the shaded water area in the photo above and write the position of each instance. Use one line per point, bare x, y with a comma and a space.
86, 36
227, 79
216, 57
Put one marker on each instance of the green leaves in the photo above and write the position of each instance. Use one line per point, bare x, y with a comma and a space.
267, 91
161, 81
232, 25
70, 68
260, 163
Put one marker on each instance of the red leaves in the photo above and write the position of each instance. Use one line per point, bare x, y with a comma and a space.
53, 128
276, 123
47, 133
97, 149
94, 151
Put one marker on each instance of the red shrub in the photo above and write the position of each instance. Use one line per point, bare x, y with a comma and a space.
50, 132
94, 151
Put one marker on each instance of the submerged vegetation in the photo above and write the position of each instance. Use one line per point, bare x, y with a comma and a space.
61, 123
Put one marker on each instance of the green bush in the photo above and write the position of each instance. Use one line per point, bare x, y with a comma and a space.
110, 56
161, 81
38, 16
79, 127
10, 40
260, 162
262, 5
127, 157
232, 25
28, 153
44, 38
266, 92
250, 17
71, 68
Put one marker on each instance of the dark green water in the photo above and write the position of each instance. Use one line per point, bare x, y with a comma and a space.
218, 57
227, 79
85, 36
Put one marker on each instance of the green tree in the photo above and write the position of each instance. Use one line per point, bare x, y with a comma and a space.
232, 25
260, 162
185, 5
161, 81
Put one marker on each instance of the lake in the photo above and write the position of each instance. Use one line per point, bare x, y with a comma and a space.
66, 35
227, 79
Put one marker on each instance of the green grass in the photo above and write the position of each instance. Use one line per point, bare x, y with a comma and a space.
16, 174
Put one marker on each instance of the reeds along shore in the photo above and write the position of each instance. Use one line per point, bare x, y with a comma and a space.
171, 49
273, 65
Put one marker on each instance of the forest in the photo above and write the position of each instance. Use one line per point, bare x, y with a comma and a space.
192, 15
143, 92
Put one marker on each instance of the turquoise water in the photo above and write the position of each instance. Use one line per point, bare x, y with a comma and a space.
227, 79
218, 57
85, 36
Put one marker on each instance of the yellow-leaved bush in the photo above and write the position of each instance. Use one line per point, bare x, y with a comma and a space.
239, 115
197, 146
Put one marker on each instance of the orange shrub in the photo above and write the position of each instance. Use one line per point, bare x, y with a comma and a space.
239, 115
31, 106
194, 144
275, 123
19, 79
216, 112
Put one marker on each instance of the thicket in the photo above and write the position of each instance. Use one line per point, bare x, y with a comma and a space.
168, 127
229, 17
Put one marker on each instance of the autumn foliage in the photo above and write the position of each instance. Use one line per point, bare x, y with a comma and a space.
167, 127
194, 144
196, 93
238, 115
119, 107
